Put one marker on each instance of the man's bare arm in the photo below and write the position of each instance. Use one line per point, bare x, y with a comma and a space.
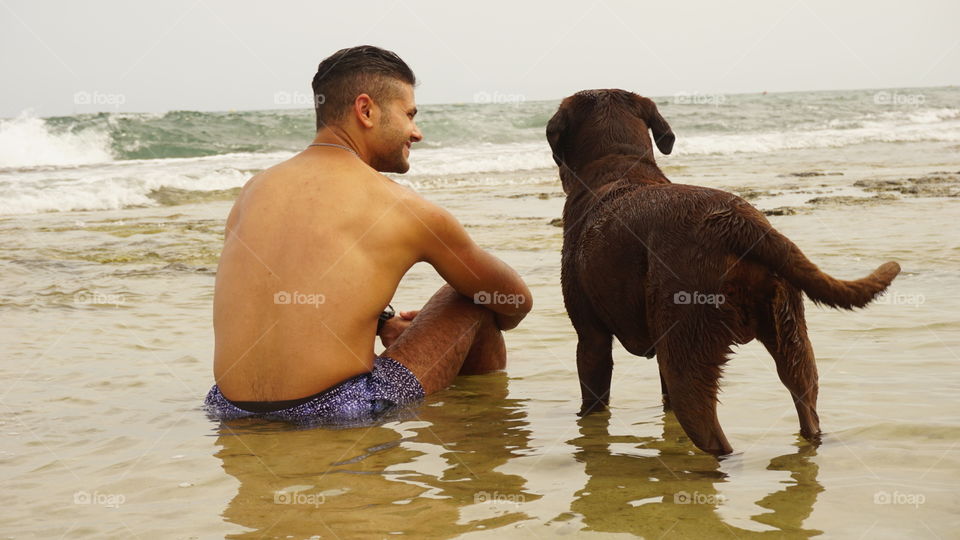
472, 271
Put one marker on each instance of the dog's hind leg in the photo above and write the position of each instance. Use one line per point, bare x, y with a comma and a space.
783, 331
594, 367
690, 366
664, 394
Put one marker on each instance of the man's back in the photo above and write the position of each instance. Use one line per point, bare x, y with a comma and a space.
315, 249
303, 239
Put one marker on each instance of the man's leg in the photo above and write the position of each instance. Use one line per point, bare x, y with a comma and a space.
451, 335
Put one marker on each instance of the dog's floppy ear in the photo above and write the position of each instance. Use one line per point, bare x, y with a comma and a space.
662, 134
555, 129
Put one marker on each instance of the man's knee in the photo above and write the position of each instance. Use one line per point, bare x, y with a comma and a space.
448, 297
448, 294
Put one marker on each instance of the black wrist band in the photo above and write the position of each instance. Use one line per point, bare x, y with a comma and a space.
384, 317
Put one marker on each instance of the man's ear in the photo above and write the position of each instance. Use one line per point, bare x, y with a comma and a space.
363, 109
555, 130
662, 134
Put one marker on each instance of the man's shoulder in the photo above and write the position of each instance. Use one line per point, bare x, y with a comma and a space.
418, 207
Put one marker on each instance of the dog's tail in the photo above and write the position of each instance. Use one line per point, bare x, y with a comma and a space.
752, 238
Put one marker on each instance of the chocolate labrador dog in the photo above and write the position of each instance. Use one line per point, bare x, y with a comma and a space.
678, 271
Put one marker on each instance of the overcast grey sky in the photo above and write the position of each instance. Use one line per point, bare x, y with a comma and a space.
219, 55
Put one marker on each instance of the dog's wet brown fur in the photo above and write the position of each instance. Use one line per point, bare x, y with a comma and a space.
636, 246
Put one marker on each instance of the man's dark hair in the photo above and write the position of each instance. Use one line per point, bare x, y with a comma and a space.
347, 73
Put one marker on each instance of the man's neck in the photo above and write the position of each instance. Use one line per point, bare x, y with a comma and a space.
336, 136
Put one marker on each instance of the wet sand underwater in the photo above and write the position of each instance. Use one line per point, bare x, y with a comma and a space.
108, 347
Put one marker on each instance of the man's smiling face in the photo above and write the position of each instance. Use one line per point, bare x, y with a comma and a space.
397, 130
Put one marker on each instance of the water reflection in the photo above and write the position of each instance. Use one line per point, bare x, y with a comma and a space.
413, 476
439, 476
653, 487
793, 505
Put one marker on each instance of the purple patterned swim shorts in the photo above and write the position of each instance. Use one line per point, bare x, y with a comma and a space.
366, 397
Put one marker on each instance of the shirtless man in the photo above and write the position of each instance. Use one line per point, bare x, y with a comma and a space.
314, 250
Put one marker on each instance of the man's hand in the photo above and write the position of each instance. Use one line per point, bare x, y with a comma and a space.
395, 326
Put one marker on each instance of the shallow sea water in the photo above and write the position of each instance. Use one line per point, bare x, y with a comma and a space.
107, 355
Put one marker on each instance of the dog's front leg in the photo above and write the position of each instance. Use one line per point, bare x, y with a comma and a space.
595, 367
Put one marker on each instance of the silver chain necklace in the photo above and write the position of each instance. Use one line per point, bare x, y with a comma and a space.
347, 148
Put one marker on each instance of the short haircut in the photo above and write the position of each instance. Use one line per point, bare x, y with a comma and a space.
347, 73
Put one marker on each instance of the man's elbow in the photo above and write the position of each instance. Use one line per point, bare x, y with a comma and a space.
507, 322
526, 306
518, 303
511, 313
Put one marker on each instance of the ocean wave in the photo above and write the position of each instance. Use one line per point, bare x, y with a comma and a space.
114, 160
481, 158
930, 116
765, 142
120, 184
934, 125
111, 188
27, 141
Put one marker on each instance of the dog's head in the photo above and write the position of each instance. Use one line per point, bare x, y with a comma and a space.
594, 123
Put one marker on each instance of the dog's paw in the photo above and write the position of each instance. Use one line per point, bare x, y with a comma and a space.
589, 407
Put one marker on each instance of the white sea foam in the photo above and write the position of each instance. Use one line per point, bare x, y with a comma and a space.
27, 141
44, 170
481, 158
122, 184
927, 126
